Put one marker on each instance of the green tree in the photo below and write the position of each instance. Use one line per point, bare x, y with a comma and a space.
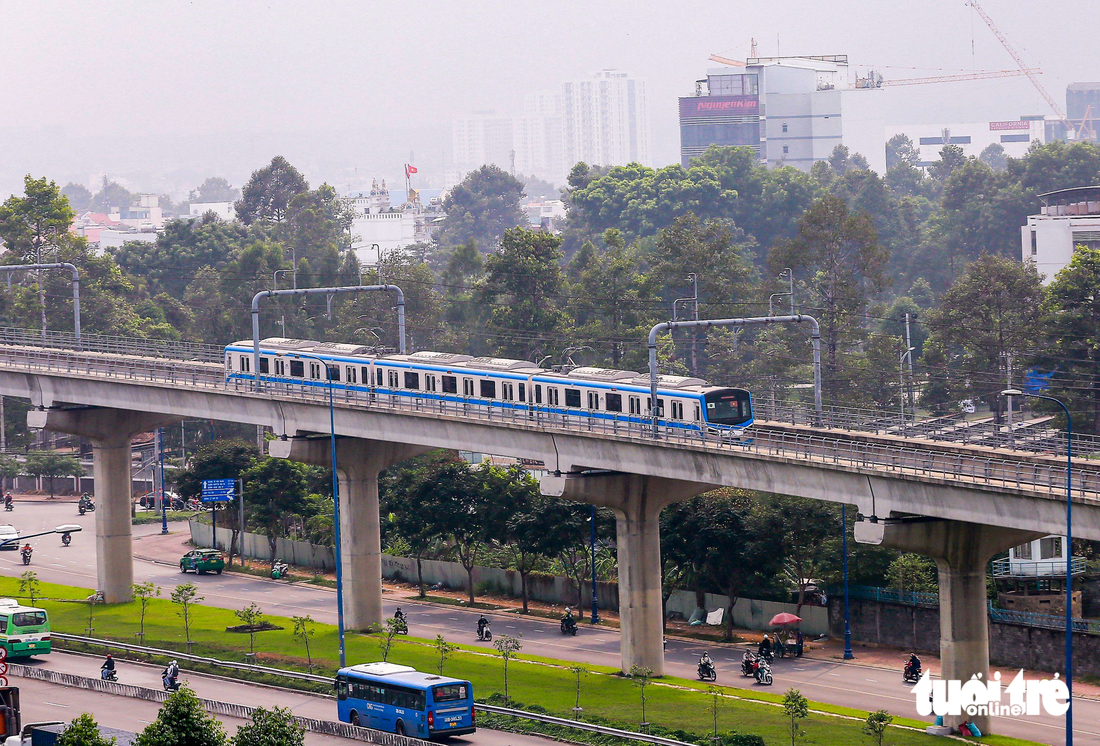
227, 458
29, 586
274, 493
407, 492
9, 469
214, 189
993, 155
640, 676
523, 283
274, 727
84, 731
482, 207
912, 572
49, 465
810, 539
989, 318
951, 159
267, 195
900, 149
508, 647
79, 196
1071, 339
797, 708
184, 596
252, 617
303, 630
578, 672
182, 721
445, 649
526, 531
111, 196
35, 220
876, 724
391, 630
143, 592
840, 252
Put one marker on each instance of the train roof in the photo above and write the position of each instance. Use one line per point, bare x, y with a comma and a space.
486, 363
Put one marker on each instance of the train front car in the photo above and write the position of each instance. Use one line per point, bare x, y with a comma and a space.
727, 410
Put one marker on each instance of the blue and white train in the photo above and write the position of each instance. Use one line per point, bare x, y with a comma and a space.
689, 404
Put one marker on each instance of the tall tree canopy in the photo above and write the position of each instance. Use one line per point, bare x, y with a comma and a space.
269, 191
482, 207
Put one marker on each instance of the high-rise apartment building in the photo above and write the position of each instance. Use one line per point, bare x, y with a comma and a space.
605, 120
481, 138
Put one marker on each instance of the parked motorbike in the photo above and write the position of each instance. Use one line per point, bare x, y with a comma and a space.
569, 626
706, 672
484, 634
279, 570
910, 672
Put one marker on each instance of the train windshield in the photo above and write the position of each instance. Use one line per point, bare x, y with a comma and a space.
728, 407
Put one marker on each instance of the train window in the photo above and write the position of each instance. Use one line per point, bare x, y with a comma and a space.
696, 412
263, 365
677, 410
523, 392
412, 379
392, 378
280, 368
573, 398
593, 400
297, 369
450, 385
333, 372
538, 393
365, 371
489, 389
467, 387
551, 396
613, 402
635, 405
660, 407
429, 382
314, 370
351, 374
246, 363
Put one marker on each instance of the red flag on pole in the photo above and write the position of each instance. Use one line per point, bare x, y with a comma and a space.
409, 170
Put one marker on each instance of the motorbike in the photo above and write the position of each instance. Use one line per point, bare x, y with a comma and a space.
748, 664
766, 656
86, 505
9, 506
569, 626
26, 554
279, 570
910, 672
763, 672
484, 634
401, 624
170, 684
66, 539
108, 674
706, 672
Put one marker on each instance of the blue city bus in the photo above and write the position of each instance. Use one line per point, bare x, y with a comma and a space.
402, 700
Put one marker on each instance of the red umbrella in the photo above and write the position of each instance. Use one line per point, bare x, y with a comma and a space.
785, 618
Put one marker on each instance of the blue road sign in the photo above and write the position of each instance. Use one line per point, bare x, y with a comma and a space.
218, 490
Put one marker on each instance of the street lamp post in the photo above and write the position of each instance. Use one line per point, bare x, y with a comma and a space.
1069, 551
163, 509
595, 597
901, 382
335, 500
848, 655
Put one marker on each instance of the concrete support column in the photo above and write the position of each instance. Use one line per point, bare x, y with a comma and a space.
962, 551
637, 502
110, 431
358, 464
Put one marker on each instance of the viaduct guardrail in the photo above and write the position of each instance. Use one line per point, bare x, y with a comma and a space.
912, 460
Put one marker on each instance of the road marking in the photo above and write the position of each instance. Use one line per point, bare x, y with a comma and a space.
55, 704
871, 680
834, 674
510, 626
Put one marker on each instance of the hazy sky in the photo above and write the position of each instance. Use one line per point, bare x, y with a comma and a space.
162, 94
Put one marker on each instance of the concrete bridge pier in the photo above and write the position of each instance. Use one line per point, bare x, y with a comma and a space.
358, 464
637, 502
962, 551
110, 431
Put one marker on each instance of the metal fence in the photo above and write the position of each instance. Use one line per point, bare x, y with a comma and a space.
889, 595
113, 345
915, 461
1042, 621
1004, 568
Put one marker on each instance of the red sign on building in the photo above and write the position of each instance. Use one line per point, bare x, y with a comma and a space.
708, 106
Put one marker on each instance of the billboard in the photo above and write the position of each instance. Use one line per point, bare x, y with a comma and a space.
1014, 125
711, 106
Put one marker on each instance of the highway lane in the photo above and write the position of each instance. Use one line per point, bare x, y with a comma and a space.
823, 680
41, 701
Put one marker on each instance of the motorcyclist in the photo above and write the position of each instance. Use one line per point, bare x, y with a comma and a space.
914, 664
108, 665
171, 674
568, 619
399, 615
765, 647
705, 661
482, 623
27, 550
8, 499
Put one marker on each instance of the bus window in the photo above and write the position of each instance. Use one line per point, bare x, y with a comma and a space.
3, 625
28, 618
341, 689
449, 693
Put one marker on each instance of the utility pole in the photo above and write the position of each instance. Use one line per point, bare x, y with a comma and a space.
3, 429
1008, 402
909, 388
694, 317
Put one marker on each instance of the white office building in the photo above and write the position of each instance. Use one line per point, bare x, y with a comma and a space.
605, 120
1015, 136
378, 226
1067, 219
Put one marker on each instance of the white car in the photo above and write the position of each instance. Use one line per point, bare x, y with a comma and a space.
8, 531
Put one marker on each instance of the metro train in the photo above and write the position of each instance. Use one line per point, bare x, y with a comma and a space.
683, 403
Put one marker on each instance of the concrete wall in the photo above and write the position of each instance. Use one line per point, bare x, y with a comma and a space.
747, 613
918, 628
67, 485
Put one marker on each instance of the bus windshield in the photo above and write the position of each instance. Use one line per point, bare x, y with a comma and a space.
449, 693
728, 407
28, 619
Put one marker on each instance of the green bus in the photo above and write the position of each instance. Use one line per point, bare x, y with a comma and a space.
24, 630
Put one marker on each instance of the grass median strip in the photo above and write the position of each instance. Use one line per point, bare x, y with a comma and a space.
673, 704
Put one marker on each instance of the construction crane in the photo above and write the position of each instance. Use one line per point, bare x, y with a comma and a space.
1027, 71
725, 60
985, 75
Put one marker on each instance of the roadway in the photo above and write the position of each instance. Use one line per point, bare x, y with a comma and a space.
829, 681
43, 701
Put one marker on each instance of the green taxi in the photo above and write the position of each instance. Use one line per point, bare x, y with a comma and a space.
203, 561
